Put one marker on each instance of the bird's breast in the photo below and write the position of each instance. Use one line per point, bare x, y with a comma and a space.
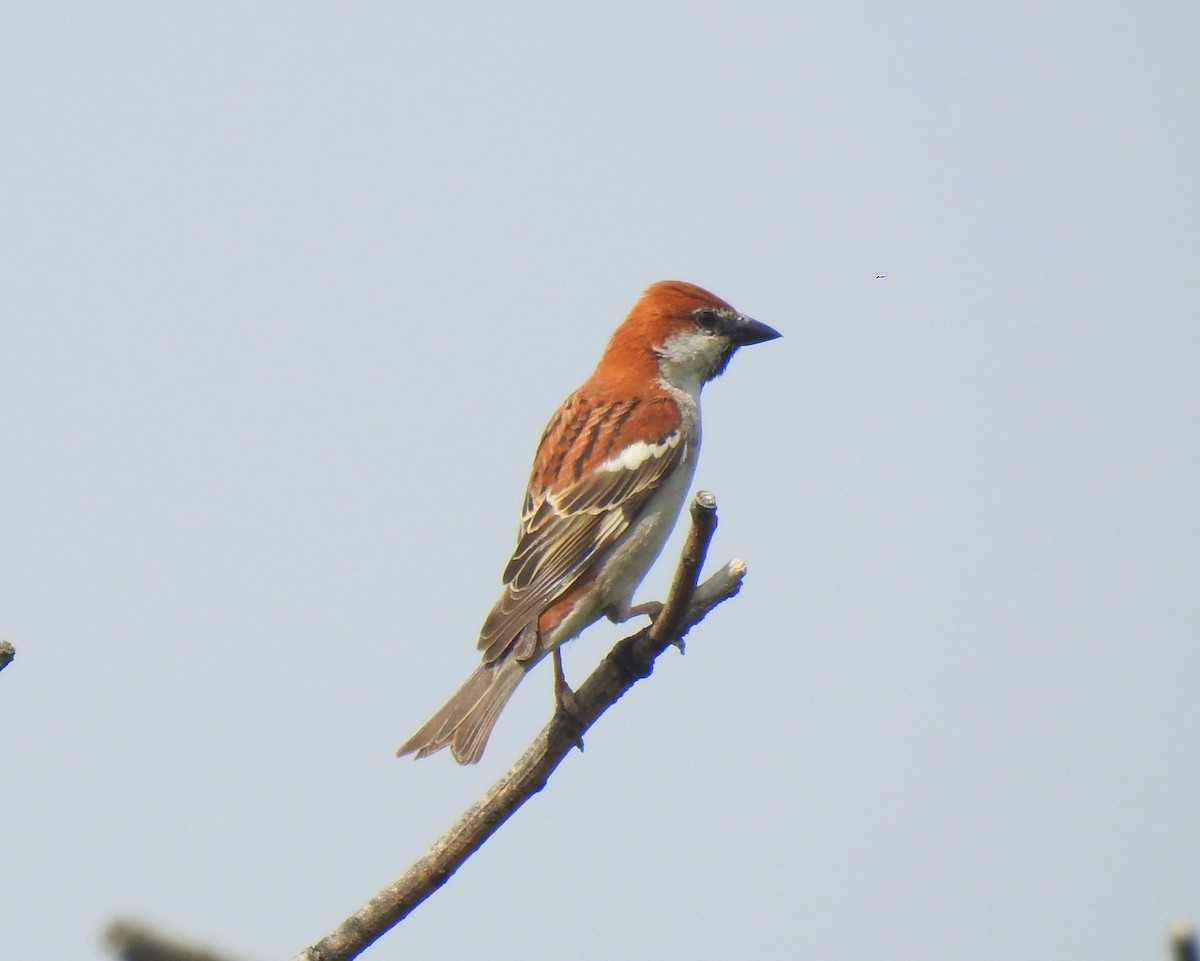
638, 549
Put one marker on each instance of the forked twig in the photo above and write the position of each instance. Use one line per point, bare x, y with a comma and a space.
629, 661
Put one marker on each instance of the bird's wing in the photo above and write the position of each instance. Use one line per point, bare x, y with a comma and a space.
597, 465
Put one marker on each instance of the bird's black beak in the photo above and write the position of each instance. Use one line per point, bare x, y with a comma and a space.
743, 331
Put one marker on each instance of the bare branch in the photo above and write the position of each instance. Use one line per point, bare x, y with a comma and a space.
629, 661
669, 622
1183, 942
7, 653
133, 941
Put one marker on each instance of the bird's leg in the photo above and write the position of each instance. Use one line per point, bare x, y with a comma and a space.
653, 609
562, 690
564, 697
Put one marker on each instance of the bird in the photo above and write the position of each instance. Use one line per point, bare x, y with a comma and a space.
610, 475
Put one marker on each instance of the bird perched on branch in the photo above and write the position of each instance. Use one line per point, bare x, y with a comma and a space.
609, 478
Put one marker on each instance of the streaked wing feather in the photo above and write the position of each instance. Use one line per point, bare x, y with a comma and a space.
562, 535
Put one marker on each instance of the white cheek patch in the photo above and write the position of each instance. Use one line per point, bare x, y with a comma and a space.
690, 358
636, 454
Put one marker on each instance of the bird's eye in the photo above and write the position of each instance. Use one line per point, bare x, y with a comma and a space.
707, 318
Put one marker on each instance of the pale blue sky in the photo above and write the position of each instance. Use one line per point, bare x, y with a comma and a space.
288, 294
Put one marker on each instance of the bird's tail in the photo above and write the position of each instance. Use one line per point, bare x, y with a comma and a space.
466, 721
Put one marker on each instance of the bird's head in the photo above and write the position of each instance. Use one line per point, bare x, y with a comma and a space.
682, 334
